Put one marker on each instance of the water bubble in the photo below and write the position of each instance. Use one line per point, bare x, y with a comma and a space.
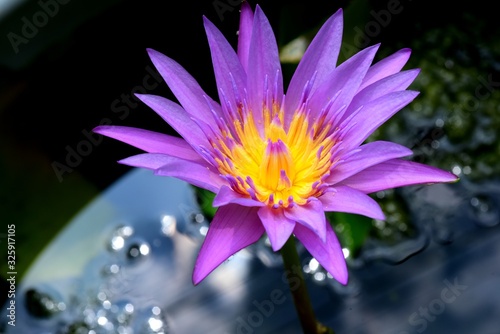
118, 237
111, 269
199, 218
484, 211
456, 170
124, 312
77, 327
152, 320
203, 230
168, 225
138, 250
44, 302
319, 276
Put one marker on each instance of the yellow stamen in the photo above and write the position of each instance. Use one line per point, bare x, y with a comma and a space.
282, 168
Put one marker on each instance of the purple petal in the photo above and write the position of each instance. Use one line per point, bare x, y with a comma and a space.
245, 33
328, 253
233, 228
310, 215
319, 60
202, 176
184, 87
393, 83
372, 115
153, 161
177, 118
345, 79
229, 73
227, 196
278, 227
263, 65
367, 155
396, 173
149, 141
349, 200
385, 67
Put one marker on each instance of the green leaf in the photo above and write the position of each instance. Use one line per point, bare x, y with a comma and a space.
352, 230
205, 199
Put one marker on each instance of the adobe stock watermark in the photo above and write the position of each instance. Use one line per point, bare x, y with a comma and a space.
421, 319
223, 6
121, 107
32, 25
265, 308
425, 148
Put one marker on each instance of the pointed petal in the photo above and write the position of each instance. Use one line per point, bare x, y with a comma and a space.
233, 228
396, 173
328, 253
310, 215
393, 83
198, 174
177, 118
319, 60
372, 115
245, 33
184, 86
202, 176
367, 155
153, 161
349, 200
229, 74
263, 64
227, 196
149, 141
385, 67
278, 227
345, 79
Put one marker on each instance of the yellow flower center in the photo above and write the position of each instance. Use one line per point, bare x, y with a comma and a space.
275, 166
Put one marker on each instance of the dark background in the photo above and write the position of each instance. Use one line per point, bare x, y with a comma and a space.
68, 77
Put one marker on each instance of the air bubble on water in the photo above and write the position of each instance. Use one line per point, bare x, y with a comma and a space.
319, 276
153, 320
44, 301
138, 250
199, 218
484, 211
110, 269
117, 239
456, 170
168, 225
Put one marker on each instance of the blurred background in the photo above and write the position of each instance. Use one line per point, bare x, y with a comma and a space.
68, 66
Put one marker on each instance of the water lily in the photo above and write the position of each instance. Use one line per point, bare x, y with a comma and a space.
277, 161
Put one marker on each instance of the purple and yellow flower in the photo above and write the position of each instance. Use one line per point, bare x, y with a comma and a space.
277, 161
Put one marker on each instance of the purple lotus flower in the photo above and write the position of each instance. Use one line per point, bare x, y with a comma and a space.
278, 161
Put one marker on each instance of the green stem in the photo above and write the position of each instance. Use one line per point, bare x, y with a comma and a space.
299, 292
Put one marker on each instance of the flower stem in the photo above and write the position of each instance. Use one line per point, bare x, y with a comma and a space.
299, 292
